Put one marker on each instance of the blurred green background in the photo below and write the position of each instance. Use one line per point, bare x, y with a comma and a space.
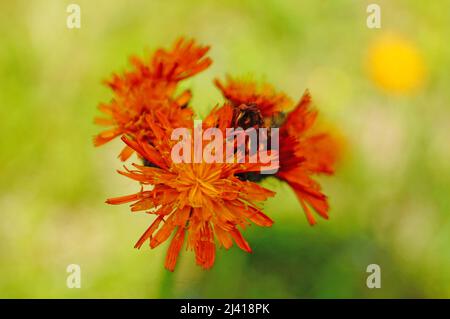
389, 199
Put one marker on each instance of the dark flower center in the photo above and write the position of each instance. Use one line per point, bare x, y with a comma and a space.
246, 116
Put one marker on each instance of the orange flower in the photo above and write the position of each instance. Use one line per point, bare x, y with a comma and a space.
239, 92
150, 87
303, 151
199, 202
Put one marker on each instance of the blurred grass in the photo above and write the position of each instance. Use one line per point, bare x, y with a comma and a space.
390, 196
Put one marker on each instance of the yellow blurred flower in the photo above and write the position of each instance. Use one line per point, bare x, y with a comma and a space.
395, 64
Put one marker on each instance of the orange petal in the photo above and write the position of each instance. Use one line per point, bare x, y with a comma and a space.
223, 237
126, 153
309, 215
174, 249
106, 136
123, 199
104, 121
143, 204
163, 233
184, 98
240, 241
205, 248
259, 218
319, 203
148, 233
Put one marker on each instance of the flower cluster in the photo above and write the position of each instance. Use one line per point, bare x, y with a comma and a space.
204, 203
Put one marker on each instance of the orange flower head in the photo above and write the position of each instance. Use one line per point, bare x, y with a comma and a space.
304, 151
269, 101
149, 87
197, 202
